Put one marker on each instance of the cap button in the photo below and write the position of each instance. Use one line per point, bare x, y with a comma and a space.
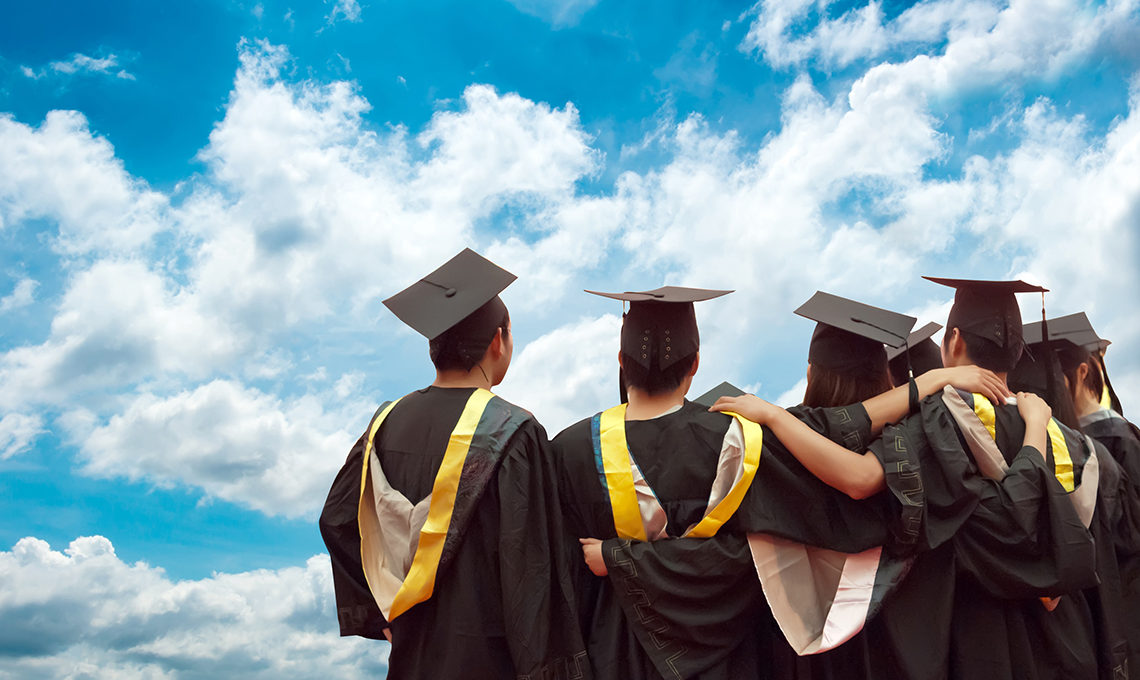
450, 292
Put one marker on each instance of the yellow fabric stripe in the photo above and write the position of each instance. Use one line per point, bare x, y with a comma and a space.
985, 412
420, 581
376, 422
619, 475
753, 444
1105, 397
1062, 461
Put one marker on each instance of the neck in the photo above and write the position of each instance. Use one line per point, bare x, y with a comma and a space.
643, 406
459, 378
1085, 403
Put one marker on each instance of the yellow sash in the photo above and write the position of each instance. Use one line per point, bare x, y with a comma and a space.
420, 581
1062, 461
617, 472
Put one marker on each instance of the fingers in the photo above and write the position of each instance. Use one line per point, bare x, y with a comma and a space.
724, 404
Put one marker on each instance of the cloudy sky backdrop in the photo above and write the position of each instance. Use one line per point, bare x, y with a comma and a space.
203, 204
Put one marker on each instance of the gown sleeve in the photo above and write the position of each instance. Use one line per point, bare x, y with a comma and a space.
692, 601
848, 426
539, 607
356, 609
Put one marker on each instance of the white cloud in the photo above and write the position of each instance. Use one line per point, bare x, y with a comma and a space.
80, 64
567, 374
17, 431
234, 443
84, 613
22, 295
558, 13
346, 10
118, 323
986, 39
64, 173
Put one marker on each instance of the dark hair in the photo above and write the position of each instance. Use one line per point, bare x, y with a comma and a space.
464, 344
655, 380
987, 354
828, 388
1071, 359
1032, 374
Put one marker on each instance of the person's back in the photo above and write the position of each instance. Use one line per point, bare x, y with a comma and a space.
1001, 525
443, 526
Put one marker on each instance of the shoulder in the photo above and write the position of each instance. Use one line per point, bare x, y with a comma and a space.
574, 435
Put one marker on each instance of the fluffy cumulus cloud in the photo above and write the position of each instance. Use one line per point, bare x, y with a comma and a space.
565, 371
299, 187
84, 613
986, 38
235, 443
64, 173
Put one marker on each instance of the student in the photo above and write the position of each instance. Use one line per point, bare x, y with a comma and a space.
997, 524
662, 467
1077, 351
443, 526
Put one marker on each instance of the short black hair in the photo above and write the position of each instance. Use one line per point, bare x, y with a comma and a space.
464, 344
988, 354
654, 380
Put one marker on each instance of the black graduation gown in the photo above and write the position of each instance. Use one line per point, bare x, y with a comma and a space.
1122, 440
989, 549
503, 606
695, 606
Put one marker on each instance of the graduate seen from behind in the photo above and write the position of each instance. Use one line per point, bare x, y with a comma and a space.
665, 496
443, 525
995, 501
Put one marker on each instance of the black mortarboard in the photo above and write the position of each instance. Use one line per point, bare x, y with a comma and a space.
989, 310
660, 326
1074, 328
1075, 341
725, 389
849, 336
449, 294
923, 354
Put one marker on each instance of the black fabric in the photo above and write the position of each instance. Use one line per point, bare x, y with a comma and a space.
999, 546
503, 604
846, 352
642, 619
1122, 442
925, 356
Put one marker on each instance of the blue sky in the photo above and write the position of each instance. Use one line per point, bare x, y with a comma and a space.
203, 204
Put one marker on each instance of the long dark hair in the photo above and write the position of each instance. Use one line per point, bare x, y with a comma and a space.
829, 388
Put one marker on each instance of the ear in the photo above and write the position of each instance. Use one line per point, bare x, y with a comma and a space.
620, 365
1082, 372
955, 345
497, 346
696, 363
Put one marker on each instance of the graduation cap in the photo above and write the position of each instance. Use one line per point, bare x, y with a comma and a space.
725, 389
988, 309
922, 353
660, 327
1074, 328
849, 336
1075, 341
448, 295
